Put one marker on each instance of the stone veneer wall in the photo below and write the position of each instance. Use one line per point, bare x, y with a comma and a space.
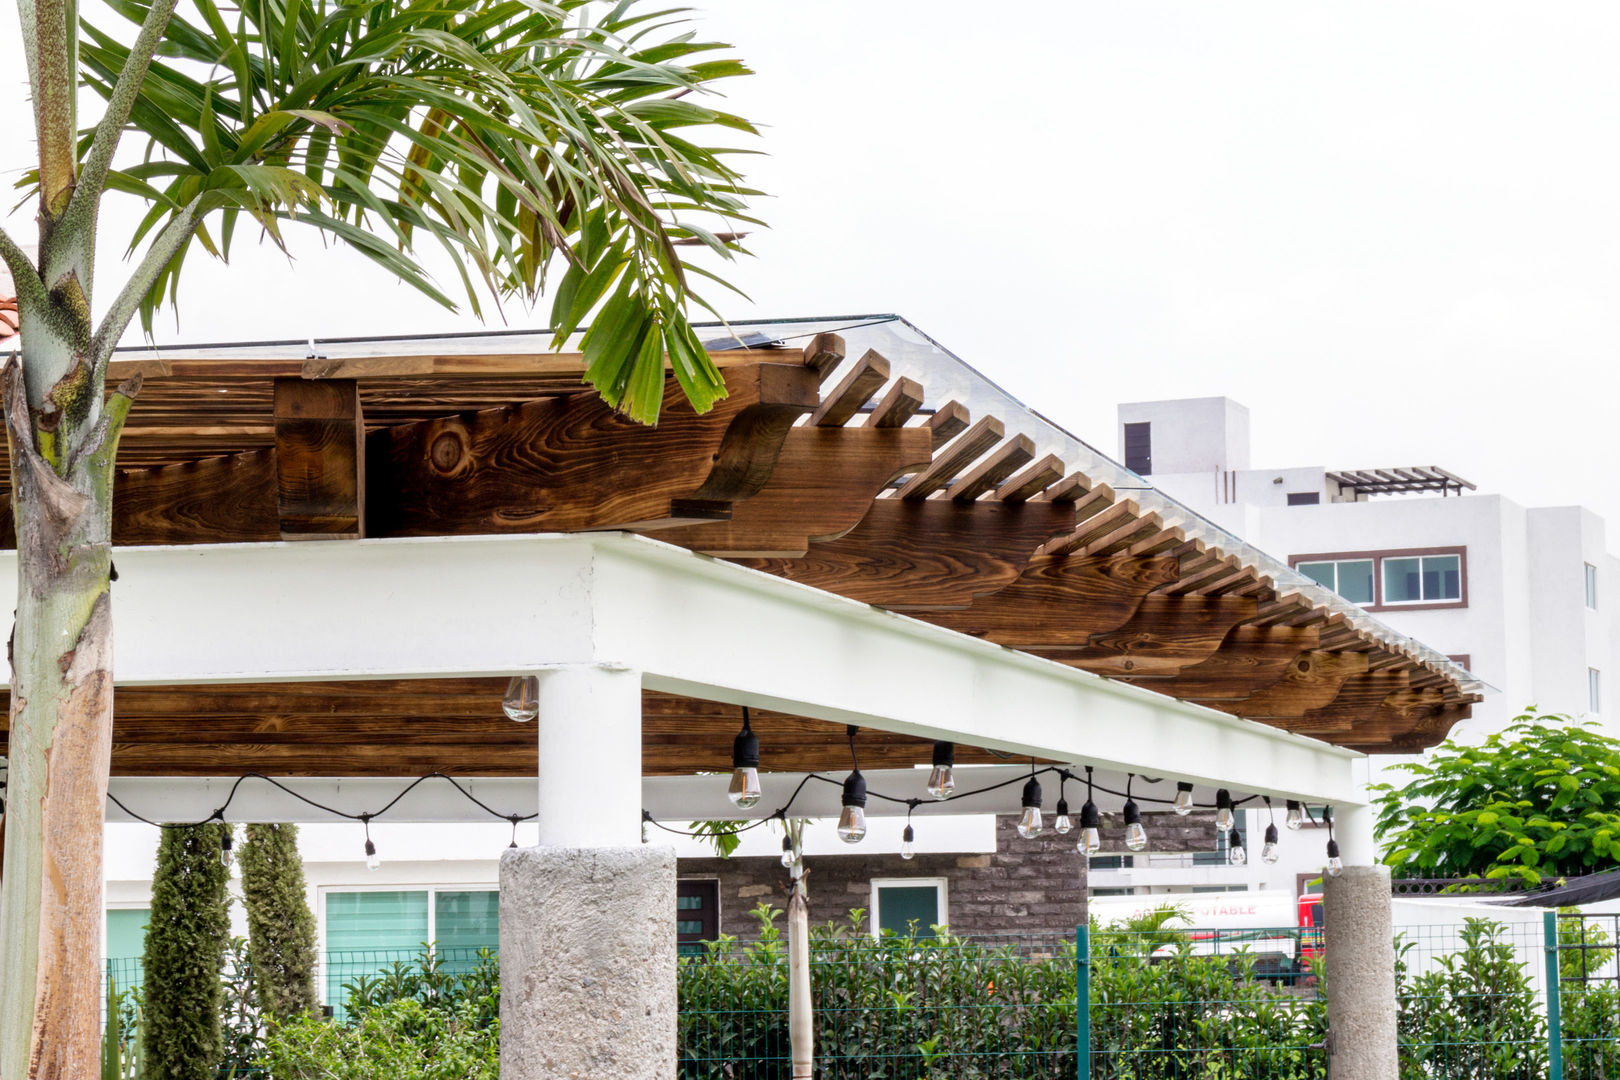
1027, 886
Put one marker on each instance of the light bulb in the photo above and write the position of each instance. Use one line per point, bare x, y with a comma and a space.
1224, 821
1090, 826
1335, 865
852, 824
908, 848
1136, 837
1235, 850
522, 700
372, 862
787, 851
942, 777
1296, 817
1184, 803
1061, 824
744, 791
1269, 853
225, 849
1029, 822
852, 821
645, 837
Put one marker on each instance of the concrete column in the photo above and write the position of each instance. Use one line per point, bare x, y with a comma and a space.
1360, 973
588, 917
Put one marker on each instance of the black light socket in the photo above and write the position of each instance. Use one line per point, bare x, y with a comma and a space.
908, 836
1032, 793
1223, 799
944, 754
745, 748
1333, 849
1234, 839
1271, 834
1133, 813
1090, 817
1182, 785
1063, 807
855, 789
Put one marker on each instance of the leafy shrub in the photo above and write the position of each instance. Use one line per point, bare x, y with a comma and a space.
401, 1038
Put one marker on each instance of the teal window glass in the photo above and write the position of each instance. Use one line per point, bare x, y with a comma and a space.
126, 945
898, 906
1403, 580
366, 932
1356, 580
1320, 572
463, 923
1411, 579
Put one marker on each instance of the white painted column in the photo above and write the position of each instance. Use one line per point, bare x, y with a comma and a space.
588, 917
590, 756
1353, 828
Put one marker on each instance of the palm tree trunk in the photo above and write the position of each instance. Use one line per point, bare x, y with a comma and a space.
61, 735
801, 1032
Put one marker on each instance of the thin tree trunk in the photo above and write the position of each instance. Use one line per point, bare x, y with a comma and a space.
61, 737
801, 1030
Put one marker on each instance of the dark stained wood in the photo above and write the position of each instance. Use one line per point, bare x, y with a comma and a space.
1356, 703
870, 372
950, 461
948, 421
213, 501
573, 464
916, 554
320, 459
1396, 716
1250, 658
996, 466
1032, 481
1313, 681
1060, 600
823, 484
897, 406
825, 352
1163, 636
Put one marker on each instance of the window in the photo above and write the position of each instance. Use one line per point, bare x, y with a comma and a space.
1350, 578
1113, 892
1304, 498
126, 933
1420, 579
1462, 660
697, 915
1405, 578
1591, 586
367, 930
898, 903
1139, 448
1594, 690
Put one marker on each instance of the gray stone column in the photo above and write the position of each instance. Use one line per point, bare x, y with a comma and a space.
588, 963
1360, 973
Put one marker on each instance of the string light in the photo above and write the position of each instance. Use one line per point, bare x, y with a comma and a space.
1268, 851
1135, 835
372, 862
1335, 865
646, 820
745, 791
1296, 817
1234, 846
852, 819
514, 819
1090, 823
908, 836
1184, 799
225, 847
522, 699
1029, 822
1223, 811
1061, 824
787, 851
942, 777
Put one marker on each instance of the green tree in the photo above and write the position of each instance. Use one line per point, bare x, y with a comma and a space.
1538, 799
183, 996
281, 928
521, 137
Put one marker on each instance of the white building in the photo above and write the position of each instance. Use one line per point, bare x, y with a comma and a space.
1524, 597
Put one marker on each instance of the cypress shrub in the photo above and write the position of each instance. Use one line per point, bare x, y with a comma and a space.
281, 928
181, 1037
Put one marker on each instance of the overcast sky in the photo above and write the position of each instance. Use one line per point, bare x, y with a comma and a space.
1389, 229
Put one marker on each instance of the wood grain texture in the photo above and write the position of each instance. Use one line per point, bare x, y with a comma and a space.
1249, 659
1312, 682
213, 501
1060, 601
824, 482
1357, 702
853, 391
320, 459
1161, 637
928, 554
573, 464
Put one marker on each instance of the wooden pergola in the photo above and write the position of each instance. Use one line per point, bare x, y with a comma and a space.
818, 468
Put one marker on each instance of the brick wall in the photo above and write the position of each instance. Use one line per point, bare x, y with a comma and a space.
1027, 886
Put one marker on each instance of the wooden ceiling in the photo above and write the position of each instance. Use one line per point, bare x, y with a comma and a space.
818, 468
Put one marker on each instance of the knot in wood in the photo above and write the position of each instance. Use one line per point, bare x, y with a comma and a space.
448, 452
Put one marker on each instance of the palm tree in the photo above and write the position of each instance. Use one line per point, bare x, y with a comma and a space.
521, 136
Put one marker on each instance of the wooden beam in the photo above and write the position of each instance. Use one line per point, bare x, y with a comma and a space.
996, 466
1061, 601
824, 483
214, 501
825, 352
961, 453
1251, 658
572, 464
921, 554
1032, 481
1312, 681
854, 391
320, 459
900, 404
949, 421
1163, 636
1356, 703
